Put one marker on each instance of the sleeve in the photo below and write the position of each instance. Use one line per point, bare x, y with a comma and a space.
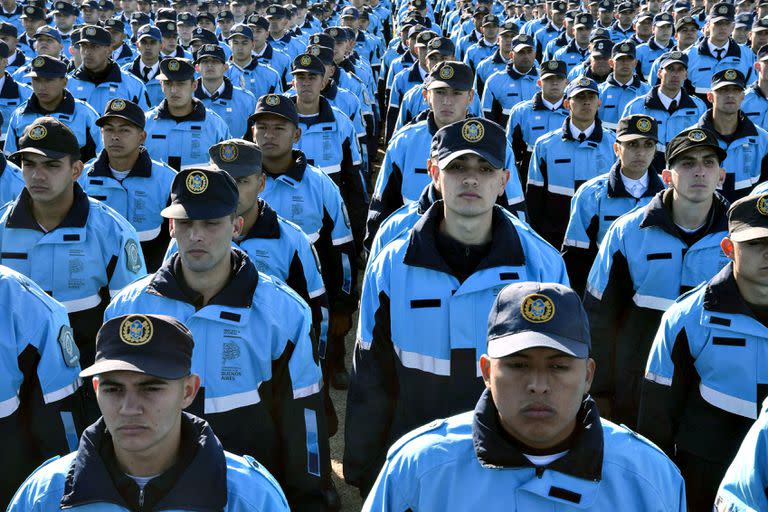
12, 137
94, 143
304, 277
515, 138
514, 190
142, 96
387, 494
393, 109
130, 259
352, 187
580, 245
338, 267
537, 186
387, 196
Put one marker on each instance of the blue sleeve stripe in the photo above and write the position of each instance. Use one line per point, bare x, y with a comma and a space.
313, 447
69, 430
347, 286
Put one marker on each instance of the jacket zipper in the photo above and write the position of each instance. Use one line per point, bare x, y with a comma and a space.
141, 499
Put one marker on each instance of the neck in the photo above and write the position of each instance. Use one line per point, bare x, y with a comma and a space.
243, 62
633, 175
50, 214
663, 44
308, 108
144, 464
726, 124
669, 92
751, 292
181, 111
720, 43
150, 63
258, 49
474, 230
277, 35
101, 68
212, 84
250, 217
278, 165
52, 105
209, 282
582, 124
623, 80
690, 215
551, 99
124, 163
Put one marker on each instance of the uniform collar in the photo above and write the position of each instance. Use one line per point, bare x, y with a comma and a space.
226, 94
414, 74
516, 75
67, 105
297, 169
571, 47
10, 87
756, 88
538, 103
250, 67
732, 51
634, 83
115, 74
655, 47
266, 226
427, 198
596, 136
497, 58
616, 184
331, 90
325, 115
506, 248
199, 486
125, 51
238, 292
652, 101
745, 128
197, 114
20, 216
721, 294
18, 59
142, 168
658, 213
616, 26
495, 449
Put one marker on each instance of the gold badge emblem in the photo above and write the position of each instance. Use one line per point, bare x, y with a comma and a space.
625, 47
730, 74
333, 32
38, 62
30, 10
584, 82
697, 136
38, 132
446, 73
537, 308
117, 105
675, 56
136, 330
173, 65
305, 60
210, 47
762, 205
436, 43
472, 131
228, 152
644, 125
197, 182
272, 100
552, 65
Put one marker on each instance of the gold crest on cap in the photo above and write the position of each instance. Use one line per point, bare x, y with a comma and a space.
272, 100
446, 73
228, 152
210, 48
625, 47
38, 62
762, 205
29, 10
583, 82
643, 124
38, 132
472, 131
552, 65
537, 308
117, 105
697, 136
333, 32
436, 43
197, 182
730, 74
305, 60
136, 330
173, 65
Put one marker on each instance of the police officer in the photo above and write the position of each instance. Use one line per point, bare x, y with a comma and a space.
407, 78
32, 18
180, 130
703, 385
260, 376
143, 380
576, 50
535, 439
12, 93
686, 34
755, 104
39, 409
266, 53
621, 86
9, 35
51, 98
499, 58
122, 54
304, 195
598, 66
447, 267
146, 66
100, 79
564, 159
486, 45
47, 41
125, 177
245, 69
661, 42
553, 29
647, 259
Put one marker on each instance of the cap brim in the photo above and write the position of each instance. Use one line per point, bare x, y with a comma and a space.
91, 41
584, 25
38, 74
622, 54
42, 152
749, 234
253, 117
720, 85
520, 46
310, 71
579, 90
439, 84
669, 62
514, 343
720, 18
635, 136
551, 73
100, 121
660, 23
155, 368
445, 161
147, 36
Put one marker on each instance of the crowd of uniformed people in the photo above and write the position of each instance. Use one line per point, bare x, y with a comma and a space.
557, 209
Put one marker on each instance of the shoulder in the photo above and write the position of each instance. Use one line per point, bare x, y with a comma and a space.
213, 117
273, 294
592, 188
549, 138
24, 290
83, 106
44, 488
251, 487
105, 215
132, 291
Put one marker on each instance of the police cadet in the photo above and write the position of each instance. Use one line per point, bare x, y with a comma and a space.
265, 53
122, 54
305, 195
407, 78
9, 35
564, 159
38, 407
416, 357
704, 385
218, 93
12, 93
99, 79
260, 376
51, 98
486, 45
755, 104
686, 34
32, 18
661, 42
544, 113
647, 259
47, 41
758, 37
621, 86
746, 144
535, 439
180, 130
144, 453
146, 66
245, 69
516, 83
576, 50
125, 177
499, 58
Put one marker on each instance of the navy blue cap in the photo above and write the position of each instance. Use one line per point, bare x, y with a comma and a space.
663, 18
625, 6
258, 21
141, 18
637, 126
692, 138
202, 192
176, 69
728, 77
308, 64
115, 24
237, 157
33, 12
166, 13
276, 11
323, 53
424, 38
744, 20
580, 84
167, 28
748, 218
598, 34
509, 27
585, 20
95, 35
559, 6
722, 11
242, 31
535, 315
624, 49
601, 47
642, 16
155, 345
350, 12
760, 24
148, 31
47, 31
442, 45
491, 20
187, 19
65, 8
204, 35
225, 15
339, 34
106, 5
553, 68
668, 58
123, 109
476, 136
206, 16
522, 41
278, 105
605, 5
47, 67
454, 74
214, 51
47, 136
322, 39
90, 4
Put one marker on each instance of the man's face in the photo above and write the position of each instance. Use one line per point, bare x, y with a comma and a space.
750, 261
178, 93
644, 29
720, 31
275, 136
762, 67
64, 22
90, 16
599, 64
10, 41
583, 106
185, 31
662, 32
505, 44
211, 68
128, 6
523, 59
727, 99
241, 47
308, 86
673, 76
744, 7
606, 18
48, 179
168, 44
695, 175
31, 25
48, 46
149, 49
225, 24
121, 138
553, 87
538, 393
105, 14
249, 188
624, 66
491, 32
94, 55
686, 35
47, 89
436, 58
142, 412
625, 17
259, 37
558, 18
117, 38
759, 39
448, 105
238, 9
635, 155
206, 24
581, 34
203, 244
469, 185
739, 34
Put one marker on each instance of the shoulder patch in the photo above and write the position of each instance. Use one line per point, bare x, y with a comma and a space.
132, 257
68, 346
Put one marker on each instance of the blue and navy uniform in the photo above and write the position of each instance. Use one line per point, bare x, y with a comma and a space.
12, 95
614, 98
544, 35
414, 105
644, 263
11, 180
154, 91
15, 61
76, 114
40, 377
705, 380
117, 84
755, 106
505, 89
277, 60
647, 53
594, 207
422, 327
123, 55
559, 165
445, 464
211, 478
257, 77
478, 52
139, 198
702, 65
401, 84
292, 46
183, 141
747, 160
464, 42
571, 54
233, 105
260, 378
554, 45
619, 34
13, 17
486, 68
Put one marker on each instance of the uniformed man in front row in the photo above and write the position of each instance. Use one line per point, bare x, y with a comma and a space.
535, 440
261, 380
144, 453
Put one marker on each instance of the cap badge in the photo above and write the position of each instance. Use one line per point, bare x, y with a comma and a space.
643, 125
436, 43
272, 100
675, 55
446, 73
697, 136
583, 82
173, 65
90, 31
136, 330
29, 10
552, 65
730, 74
333, 32
228, 152
472, 131
537, 308
625, 47
722, 9
314, 51
38, 62
117, 105
305, 60
762, 205
197, 182
38, 132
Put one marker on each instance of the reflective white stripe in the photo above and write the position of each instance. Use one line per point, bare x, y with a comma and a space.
594, 292
610, 126
307, 391
535, 182
149, 234
649, 301
506, 111
745, 183
7, 407
529, 148
227, 403
364, 345
661, 147
73, 306
664, 381
424, 363
729, 403
64, 392
563, 191
317, 293
314, 237
479, 370
701, 90
487, 110
516, 200
331, 169
342, 240
576, 243
407, 201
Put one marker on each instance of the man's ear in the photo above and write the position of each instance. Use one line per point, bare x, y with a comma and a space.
485, 369
726, 244
666, 177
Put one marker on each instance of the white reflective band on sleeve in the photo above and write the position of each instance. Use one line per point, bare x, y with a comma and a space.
563, 191
64, 392
506, 111
594, 292
576, 243
729, 403
73, 306
342, 240
516, 200
661, 147
364, 345
651, 302
535, 182
745, 183
407, 201
529, 148
317, 293
331, 169
701, 90
610, 126
307, 390
7, 407
424, 363
314, 237
149, 234
227, 403
658, 379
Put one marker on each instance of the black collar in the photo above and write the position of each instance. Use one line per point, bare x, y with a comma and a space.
20, 216
414, 75
652, 101
616, 184
427, 198
10, 87
515, 75
634, 83
296, 170
494, 449
722, 294
755, 87
18, 59
266, 226
538, 103
225, 95
125, 51
745, 128
330, 91
732, 51
655, 47
115, 74
325, 115
658, 213
251, 65
142, 168
616, 26
571, 47
65, 106
596, 136
497, 58
197, 114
